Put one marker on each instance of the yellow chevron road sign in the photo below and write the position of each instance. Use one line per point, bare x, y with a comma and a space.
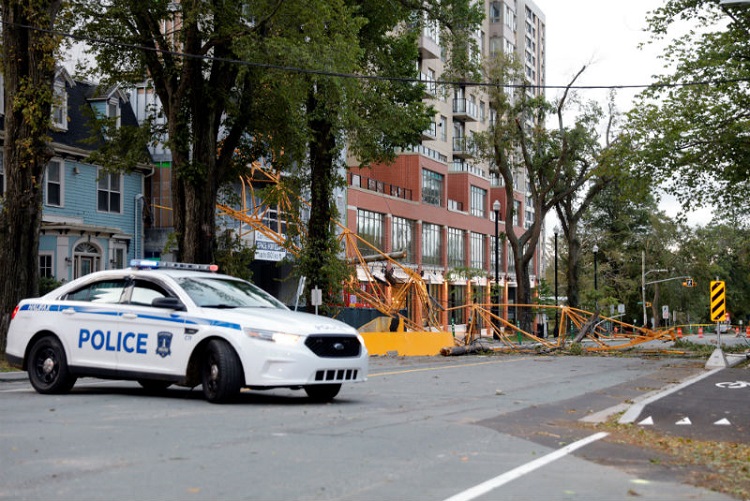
718, 301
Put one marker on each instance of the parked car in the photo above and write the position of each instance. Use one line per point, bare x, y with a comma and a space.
174, 323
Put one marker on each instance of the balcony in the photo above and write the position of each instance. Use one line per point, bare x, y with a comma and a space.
428, 47
465, 110
430, 134
462, 148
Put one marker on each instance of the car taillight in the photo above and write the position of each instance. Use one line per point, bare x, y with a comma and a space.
15, 310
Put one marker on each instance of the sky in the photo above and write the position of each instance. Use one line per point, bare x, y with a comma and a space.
604, 36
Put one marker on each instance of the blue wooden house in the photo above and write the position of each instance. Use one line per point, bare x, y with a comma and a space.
91, 219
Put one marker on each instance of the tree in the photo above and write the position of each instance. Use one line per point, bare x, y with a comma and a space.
29, 49
215, 68
625, 222
519, 144
693, 123
572, 207
373, 117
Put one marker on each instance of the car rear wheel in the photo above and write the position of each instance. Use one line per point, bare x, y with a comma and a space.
48, 367
322, 392
221, 373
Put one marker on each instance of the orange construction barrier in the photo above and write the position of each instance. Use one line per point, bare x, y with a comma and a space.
700, 331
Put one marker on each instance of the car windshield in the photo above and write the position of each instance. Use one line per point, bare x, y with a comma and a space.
222, 292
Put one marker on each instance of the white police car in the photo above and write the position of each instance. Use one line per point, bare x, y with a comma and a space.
173, 323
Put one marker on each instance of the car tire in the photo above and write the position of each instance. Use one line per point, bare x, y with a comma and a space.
221, 372
48, 367
322, 392
154, 385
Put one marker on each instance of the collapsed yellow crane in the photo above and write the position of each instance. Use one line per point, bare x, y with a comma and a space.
389, 295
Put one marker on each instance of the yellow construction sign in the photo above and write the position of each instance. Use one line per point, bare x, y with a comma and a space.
718, 301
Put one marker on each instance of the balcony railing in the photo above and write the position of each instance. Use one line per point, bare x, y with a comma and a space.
431, 132
428, 152
370, 184
465, 110
458, 166
462, 147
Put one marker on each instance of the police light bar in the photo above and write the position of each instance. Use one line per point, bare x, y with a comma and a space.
143, 264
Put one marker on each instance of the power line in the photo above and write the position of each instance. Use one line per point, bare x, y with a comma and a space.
309, 71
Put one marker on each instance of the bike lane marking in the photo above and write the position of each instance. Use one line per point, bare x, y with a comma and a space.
635, 410
500, 480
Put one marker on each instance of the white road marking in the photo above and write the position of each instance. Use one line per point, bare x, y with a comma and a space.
685, 420
723, 422
647, 421
500, 480
636, 409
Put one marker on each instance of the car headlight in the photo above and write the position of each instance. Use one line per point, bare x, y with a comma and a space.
283, 338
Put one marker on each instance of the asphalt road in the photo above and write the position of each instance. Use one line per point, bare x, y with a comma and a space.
460, 428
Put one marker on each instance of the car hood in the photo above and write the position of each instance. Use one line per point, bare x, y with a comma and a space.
282, 321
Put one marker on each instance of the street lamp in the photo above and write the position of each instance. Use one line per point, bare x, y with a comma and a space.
496, 210
557, 230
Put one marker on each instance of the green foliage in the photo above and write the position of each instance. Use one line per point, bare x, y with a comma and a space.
48, 284
693, 124
233, 257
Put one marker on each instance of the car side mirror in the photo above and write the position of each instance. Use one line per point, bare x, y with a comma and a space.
171, 303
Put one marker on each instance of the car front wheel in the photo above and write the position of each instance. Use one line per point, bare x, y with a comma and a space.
48, 367
322, 392
221, 373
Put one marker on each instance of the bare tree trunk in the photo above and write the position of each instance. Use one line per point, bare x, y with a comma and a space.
29, 71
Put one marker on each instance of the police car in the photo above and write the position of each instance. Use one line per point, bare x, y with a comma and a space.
173, 323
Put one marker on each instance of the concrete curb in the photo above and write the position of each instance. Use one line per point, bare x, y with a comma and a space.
6, 377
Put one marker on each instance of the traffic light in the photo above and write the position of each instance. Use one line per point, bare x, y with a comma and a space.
688, 283
648, 304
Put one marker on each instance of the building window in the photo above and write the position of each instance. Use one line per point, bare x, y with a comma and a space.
499, 242
45, 266
371, 228
456, 299
60, 107
109, 193
432, 248
456, 257
403, 237
432, 188
53, 183
443, 128
478, 259
478, 201
118, 258
516, 213
495, 12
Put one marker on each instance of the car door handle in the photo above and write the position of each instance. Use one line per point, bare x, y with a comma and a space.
69, 311
129, 316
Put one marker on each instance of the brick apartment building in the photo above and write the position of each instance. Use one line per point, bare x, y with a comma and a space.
436, 201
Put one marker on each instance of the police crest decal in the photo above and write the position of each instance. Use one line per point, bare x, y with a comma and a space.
164, 344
